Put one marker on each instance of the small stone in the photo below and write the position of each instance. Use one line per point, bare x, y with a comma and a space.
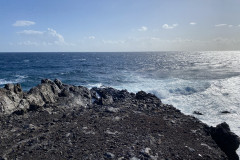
147, 150
109, 155
55, 120
110, 132
134, 158
116, 118
29, 126
173, 122
190, 149
84, 128
112, 110
203, 144
68, 134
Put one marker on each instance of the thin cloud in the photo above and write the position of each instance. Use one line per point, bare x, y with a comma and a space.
30, 32
28, 43
113, 42
59, 38
192, 23
230, 26
22, 23
143, 28
220, 25
49, 37
91, 37
166, 26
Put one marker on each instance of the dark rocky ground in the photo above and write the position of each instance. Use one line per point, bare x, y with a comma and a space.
58, 121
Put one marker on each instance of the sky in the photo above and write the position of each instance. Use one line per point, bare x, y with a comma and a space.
119, 25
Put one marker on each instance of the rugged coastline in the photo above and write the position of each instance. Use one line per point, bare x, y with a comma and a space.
59, 121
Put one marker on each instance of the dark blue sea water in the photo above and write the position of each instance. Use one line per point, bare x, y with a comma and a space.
208, 82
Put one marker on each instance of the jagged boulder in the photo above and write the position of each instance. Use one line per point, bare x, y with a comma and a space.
74, 96
10, 98
108, 95
226, 140
148, 98
54, 93
45, 93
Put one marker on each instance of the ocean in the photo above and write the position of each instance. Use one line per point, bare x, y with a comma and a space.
207, 82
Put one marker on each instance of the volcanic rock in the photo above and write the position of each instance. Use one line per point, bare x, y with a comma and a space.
197, 113
226, 140
59, 121
225, 112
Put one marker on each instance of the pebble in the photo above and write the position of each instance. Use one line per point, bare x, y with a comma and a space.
109, 155
190, 149
112, 110
134, 158
68, 134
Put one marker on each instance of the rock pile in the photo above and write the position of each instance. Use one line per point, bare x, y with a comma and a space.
58, 121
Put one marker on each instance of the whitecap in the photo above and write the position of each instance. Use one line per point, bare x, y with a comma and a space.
80, 59
3, 81
209, 97
26, 60
17, 79
98, 85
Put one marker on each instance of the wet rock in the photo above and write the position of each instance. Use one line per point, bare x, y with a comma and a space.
148, 98
141, 95
197, 113
225, 112
226, 140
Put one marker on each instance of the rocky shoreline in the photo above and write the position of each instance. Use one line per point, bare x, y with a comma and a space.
59, 121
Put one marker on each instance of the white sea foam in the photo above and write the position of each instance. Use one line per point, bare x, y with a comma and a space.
80, 59
98, 85
3, 81
16, 79
26, 60
209, 97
